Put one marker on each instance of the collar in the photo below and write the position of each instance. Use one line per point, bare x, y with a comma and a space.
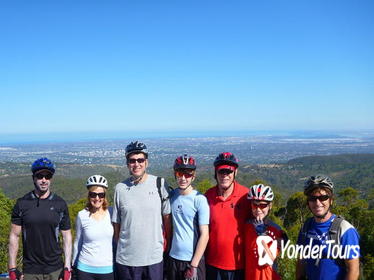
34, 196
233, 194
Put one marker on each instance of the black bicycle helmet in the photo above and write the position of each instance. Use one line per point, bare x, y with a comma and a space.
318, 181
136, 147
226, 159
43, 163
185, 162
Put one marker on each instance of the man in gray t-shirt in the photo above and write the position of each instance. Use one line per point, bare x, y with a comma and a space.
140, 214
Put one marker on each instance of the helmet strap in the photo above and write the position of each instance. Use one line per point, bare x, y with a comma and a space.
323, 216
184, 189
224, 190
137, 180
39, 193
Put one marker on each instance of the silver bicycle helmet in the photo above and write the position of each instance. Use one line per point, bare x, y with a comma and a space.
318, 181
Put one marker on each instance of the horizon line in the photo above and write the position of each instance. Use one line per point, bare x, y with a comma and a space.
87, 136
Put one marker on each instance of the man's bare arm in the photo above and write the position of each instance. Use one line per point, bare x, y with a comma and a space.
15, 232
353, 269
201, 245
67, 245
116, 228
168, 229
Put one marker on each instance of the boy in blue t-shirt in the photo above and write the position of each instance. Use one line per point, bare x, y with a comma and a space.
330, 262
190, 216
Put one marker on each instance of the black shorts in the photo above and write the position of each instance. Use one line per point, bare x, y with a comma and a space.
150, 272
176, 269
82, 275
214, 273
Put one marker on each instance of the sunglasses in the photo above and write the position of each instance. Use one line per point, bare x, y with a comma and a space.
133, 160
319, 197
225, 171
185, 174
260, 205
94, 194
39, 176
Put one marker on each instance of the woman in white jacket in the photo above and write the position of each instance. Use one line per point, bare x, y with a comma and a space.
93, 253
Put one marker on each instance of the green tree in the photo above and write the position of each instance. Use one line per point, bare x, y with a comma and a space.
347, 196
73, 211
296, 210
370, 199
203, 185
6, 206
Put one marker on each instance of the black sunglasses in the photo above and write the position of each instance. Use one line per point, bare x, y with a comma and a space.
225, 171
133, 160
319, 197
39, 176
94, 194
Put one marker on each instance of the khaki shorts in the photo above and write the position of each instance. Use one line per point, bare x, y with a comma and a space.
49, 276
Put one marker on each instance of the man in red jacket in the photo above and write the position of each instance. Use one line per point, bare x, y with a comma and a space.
229, 210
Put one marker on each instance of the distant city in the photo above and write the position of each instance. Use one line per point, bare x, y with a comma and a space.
262, 148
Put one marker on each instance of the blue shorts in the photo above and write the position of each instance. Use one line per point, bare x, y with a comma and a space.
148, 272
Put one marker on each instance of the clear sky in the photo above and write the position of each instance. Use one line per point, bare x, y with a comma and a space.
73, 66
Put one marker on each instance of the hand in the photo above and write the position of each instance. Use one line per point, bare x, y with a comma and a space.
65, 274
190, 273
259, 226
15, 274
258, 221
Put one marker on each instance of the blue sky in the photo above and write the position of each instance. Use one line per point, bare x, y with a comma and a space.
76, 66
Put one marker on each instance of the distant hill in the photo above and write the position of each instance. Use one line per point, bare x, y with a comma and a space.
346, 170
335, 160
354, 170
69, 180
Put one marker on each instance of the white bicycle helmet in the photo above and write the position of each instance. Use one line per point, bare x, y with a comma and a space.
97, 180
260, 192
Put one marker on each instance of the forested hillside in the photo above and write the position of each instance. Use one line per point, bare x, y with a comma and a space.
353, 170
352, 174
350, 170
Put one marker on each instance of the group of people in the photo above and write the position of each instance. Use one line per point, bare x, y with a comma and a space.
155, 232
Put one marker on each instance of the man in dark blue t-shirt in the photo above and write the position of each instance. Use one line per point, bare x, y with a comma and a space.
334, 242
41, 215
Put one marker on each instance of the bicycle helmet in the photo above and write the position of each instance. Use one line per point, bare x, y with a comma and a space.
43, 163
136, 147
318, 181
185, 162
226, 161
260, 192
97, 180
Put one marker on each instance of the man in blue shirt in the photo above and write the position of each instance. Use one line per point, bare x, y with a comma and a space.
190, 216
331, 259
